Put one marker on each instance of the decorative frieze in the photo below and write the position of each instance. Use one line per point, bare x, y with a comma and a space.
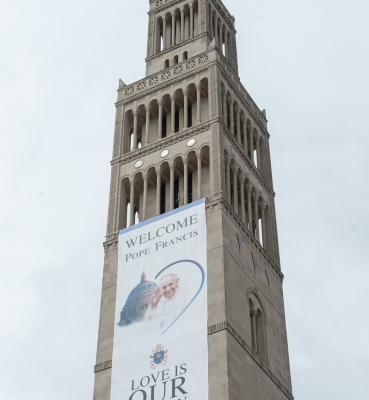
102, 366
161, 144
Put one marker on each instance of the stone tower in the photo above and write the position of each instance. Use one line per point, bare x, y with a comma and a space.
187, 130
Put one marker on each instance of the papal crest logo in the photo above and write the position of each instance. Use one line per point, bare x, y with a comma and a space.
159, 356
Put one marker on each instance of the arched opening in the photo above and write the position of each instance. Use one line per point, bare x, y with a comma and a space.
248, 135
176, 35
167, 31
186, 27
164, 188
263, 160
185, 55
179, 111
141, 125
260, 205
166, 114
166, 64
175, 60
123, 201
196, 19
128, 131
243, 135
159, 35
204, 100
153, 121
268, 231
257, 327
191, 108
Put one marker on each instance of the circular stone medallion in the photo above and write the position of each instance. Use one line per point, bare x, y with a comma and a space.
138, 163
191, 142
164, 153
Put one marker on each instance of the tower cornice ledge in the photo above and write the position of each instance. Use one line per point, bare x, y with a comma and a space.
192, 66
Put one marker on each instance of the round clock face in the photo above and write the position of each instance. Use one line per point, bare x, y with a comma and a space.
164, 153
138, 163
191, 142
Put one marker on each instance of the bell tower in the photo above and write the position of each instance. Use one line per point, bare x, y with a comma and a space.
188, 130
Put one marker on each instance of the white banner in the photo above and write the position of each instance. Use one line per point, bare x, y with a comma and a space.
160, 335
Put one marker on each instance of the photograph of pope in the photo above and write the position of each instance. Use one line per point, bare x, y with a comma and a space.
166, 303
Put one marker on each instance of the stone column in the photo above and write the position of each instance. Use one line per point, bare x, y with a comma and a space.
185, 181
158, 190
164, 33
182, 25
228, 182
245, 137
132, 204
216, 29
239, 126
198, 101
225, 108
235, 194
191, 21
252, 144
144, 214
199, 183
134, 146
172, 114
171, 196
249, 207
242, 194
147, 125
173, 29
256, 212
226, 46
255, 341
231, 117
263, 225
185, 109
220, 38
160, 118
211, 24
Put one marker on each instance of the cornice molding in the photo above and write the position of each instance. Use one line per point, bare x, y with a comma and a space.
162, 143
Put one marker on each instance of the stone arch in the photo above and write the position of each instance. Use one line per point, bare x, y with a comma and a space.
204, 100
123, 200
128, 130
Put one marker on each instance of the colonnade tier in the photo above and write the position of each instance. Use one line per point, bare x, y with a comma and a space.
134, 189
248, 203
179, 24
143, 113
246, 133
176, 26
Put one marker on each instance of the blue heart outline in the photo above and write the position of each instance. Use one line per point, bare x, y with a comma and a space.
194, 297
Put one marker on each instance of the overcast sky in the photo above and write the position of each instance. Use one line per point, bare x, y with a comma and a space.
306, 62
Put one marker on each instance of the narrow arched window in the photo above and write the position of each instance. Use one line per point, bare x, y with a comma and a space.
166, 64
257, 327
185, 55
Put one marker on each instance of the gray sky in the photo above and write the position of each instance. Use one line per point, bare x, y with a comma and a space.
306, 62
